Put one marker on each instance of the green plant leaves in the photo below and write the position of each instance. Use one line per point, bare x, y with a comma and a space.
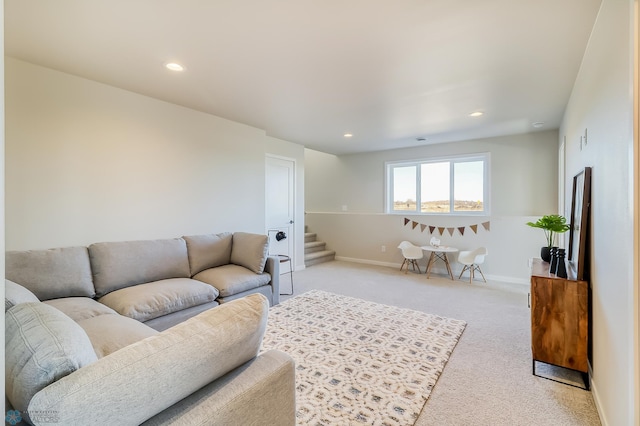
551, 224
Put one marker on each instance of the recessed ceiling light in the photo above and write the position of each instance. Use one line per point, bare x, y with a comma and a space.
348, 135
476, 114
174, 66
538, 124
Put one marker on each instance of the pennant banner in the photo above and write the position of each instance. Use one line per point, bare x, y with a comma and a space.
451, 230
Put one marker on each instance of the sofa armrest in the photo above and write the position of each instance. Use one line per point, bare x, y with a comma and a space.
273, 268
261, 392
139, 381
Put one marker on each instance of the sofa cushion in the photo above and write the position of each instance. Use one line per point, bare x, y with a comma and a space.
42, 345
250, 251
79, 308
111, 332
232, 279
108, 331
208, 251
147, 301
15, 294
146, 377
117, 265
167, 321
53, 273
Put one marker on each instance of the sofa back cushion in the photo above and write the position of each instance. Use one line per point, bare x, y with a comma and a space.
42, 345
117, 265
53, 273
208, 251
14, 294
112, 332
250, 251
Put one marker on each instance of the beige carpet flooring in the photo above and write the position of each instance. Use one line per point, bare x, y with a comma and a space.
488, 379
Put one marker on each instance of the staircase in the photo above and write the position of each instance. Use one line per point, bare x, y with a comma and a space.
315, 251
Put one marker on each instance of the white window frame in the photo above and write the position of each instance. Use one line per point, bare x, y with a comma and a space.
390, 165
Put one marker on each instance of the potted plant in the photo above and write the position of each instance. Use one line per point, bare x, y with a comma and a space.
551, 225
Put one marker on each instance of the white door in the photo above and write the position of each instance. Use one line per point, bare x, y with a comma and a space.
280, 178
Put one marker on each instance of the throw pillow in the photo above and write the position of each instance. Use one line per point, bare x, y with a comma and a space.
42, 345
250, 251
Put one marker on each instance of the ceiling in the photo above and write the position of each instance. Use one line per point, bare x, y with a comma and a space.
308, 71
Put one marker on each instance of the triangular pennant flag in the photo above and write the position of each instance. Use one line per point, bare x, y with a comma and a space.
461, 230
441, 229
406, 220
422, 227
431, 229
450, 231
474, 228
487, 225
414, 224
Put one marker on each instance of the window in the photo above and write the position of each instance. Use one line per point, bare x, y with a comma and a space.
453, 185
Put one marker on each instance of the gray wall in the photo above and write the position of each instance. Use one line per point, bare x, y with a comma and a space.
601, 102
87, 162
524, 175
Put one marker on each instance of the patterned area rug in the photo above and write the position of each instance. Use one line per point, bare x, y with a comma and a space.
359, 362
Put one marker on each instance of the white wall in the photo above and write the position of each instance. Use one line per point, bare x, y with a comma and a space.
87, 162
524, 172
601, 102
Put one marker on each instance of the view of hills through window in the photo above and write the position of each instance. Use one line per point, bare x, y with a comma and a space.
435, 187
440, 206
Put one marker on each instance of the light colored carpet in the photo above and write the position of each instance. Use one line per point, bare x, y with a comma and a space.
487, 380
359, 362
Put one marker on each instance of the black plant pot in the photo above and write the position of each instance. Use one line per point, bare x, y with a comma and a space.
545, 253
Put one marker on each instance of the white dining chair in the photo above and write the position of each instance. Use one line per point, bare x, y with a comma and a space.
472, 259
412, 254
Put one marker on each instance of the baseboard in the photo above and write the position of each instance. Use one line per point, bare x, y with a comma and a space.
596, 398
498, 278
368, 262
510, 280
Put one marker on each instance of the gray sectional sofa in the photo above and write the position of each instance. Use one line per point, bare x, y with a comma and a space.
124, 333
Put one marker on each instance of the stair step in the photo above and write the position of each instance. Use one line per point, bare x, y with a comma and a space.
309, 237
314, 247
319, 257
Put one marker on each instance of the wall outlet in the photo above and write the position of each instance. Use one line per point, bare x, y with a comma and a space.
383, 249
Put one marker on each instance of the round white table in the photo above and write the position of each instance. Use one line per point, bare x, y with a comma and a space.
439, 252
